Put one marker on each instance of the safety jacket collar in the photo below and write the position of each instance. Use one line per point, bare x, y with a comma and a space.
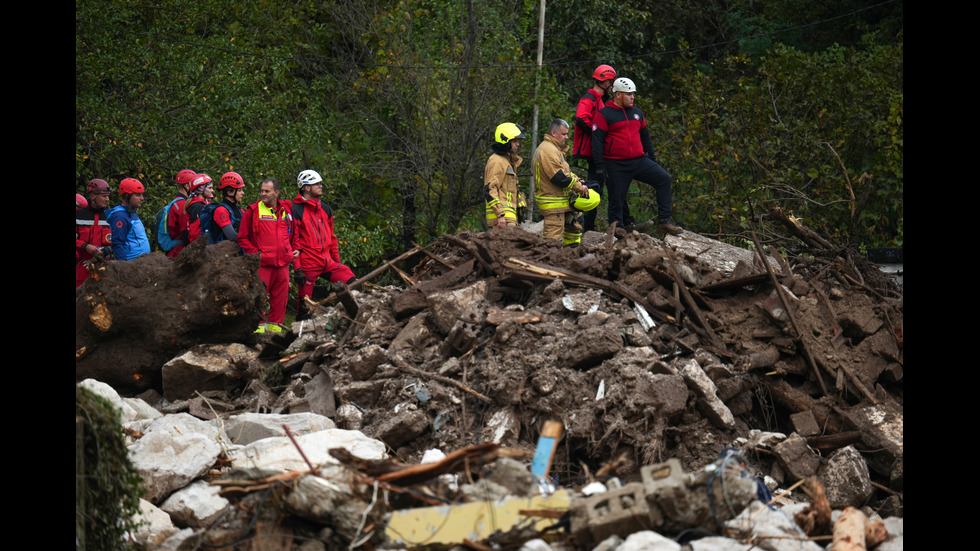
562, 148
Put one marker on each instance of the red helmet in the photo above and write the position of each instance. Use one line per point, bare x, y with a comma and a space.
231, 179
604, 72
98, 186
80, 201
130, 186
199, 181
185, 176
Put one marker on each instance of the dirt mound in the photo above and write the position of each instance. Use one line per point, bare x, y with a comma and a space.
501, 331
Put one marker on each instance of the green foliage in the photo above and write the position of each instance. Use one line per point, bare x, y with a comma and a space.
819, 135
787, 103
109, 482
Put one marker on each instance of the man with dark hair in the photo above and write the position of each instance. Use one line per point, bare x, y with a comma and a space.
592, 101
623, 152
266, 230
129, 239
92, 231
314, 238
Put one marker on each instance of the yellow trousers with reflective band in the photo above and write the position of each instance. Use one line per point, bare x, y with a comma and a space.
560, 221
509, 211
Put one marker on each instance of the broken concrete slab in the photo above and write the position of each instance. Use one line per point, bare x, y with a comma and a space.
245, 428
205, 367
280, 453
796, 458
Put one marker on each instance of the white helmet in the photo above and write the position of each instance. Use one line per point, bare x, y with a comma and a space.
623, 84
308, 178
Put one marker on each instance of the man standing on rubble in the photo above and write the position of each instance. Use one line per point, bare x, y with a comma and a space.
556, 188
500, 184
129, 239
623, 152
588, 106
266, 229
314, 239
92, 231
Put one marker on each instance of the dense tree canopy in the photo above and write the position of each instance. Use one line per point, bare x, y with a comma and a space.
751, 103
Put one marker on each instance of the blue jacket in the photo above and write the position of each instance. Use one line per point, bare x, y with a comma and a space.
128, 234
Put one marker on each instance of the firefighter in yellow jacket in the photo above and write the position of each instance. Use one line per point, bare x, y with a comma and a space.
500, 185
559, 194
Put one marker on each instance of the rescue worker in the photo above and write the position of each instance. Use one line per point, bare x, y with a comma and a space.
201, 194
266, 230
623, 152
227, 217
129, 239
92, 231
178, 223
314, 238
591, 102
553, 183
500, 183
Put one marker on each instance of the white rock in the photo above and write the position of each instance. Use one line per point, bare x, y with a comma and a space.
249, 427
174, 450
156, 525
280, 454
197, 505
648, 541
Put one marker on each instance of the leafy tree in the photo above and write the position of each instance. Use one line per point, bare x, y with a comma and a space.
818, 134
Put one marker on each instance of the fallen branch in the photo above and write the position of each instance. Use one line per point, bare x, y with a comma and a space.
402, 365
792, 316
374, 273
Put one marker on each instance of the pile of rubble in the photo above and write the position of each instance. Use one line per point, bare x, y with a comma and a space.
689, 379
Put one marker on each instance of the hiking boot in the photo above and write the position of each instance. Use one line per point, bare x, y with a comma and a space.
642, 226
668, 226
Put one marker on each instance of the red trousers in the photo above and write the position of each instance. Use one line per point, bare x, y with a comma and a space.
276, 281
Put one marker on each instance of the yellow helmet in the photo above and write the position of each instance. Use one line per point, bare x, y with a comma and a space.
584, 204
508, 131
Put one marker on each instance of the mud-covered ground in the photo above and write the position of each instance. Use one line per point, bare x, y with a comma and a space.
533, 347
644, 349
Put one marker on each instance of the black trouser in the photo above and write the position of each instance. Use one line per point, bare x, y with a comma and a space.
621, 173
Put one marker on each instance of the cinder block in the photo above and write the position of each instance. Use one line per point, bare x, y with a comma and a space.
621, 511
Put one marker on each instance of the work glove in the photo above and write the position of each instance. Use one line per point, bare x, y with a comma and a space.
299, 277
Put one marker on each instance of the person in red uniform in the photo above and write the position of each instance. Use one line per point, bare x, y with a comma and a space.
314, 238
266, 229
178, 223
227, 215
201, 194
588, 106
92, 231
623, 152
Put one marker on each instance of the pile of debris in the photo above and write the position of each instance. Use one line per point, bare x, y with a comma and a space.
687, 356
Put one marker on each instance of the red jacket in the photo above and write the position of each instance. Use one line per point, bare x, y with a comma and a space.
177, 224
90, 227
620, 134
588, 106
313, 235
268, 231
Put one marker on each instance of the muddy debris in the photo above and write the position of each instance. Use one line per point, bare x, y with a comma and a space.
648, 353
